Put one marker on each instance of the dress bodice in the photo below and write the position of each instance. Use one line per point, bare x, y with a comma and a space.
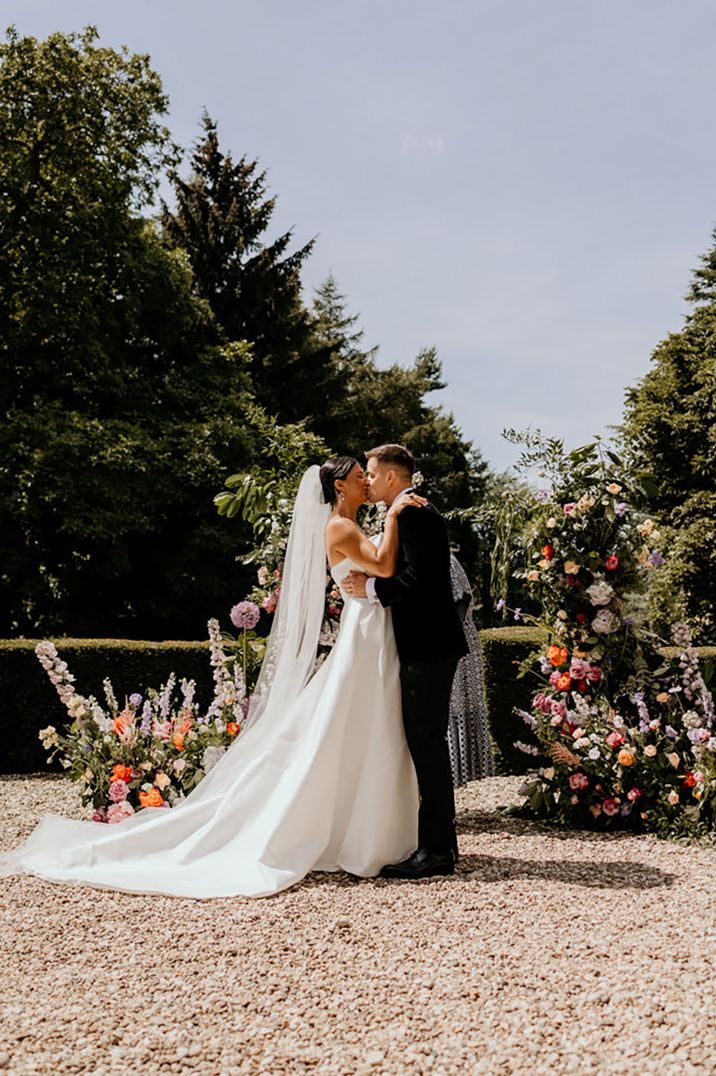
343, 568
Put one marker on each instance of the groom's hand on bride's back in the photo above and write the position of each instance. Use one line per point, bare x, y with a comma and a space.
354, 584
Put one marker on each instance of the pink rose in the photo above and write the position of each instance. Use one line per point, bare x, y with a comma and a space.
163, 730
615, 738
578, 782
100, 815
542, 703
270, 602
554, 677
118, 791
612, 563
568, 508
579, 669
610, 807
119, 811
595, 674
559, 708
633, 794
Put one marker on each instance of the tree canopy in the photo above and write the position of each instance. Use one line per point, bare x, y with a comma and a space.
670, 430
143, 359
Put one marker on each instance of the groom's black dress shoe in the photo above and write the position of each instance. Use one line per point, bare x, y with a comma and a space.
422, 864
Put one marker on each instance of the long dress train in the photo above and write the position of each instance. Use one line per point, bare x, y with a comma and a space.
330, 786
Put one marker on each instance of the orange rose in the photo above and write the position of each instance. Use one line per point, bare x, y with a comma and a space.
121, 773
178, 741
557, 655
548, 552
625, 757
232, 728
564, 682
153, 798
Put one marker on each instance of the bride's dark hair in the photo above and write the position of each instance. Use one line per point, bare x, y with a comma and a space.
337, 467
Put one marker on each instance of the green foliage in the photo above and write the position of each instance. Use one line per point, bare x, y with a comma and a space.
252, 285
668, 428
509, 662
29, 702
123, 412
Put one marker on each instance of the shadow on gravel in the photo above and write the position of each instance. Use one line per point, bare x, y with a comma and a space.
570, 872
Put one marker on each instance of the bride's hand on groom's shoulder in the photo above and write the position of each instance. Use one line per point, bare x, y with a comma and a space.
410, 500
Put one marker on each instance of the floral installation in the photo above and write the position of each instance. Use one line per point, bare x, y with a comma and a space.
626, 734
157, 746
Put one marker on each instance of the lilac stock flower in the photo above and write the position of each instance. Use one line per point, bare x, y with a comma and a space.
620, 508
135, 700
542, 495
245, 615
671, 732
500, 605
517, 615
656, 559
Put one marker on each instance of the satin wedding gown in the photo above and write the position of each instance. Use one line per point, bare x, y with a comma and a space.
330, 786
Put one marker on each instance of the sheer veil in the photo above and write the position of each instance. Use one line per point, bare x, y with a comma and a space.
293, 641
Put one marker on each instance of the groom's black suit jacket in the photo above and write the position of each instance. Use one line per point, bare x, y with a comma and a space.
425, 618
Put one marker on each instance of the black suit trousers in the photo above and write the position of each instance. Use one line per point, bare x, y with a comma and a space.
425, 688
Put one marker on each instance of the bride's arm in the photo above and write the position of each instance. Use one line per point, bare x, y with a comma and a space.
345, 538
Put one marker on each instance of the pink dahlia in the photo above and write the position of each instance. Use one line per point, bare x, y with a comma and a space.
610, 808
119, 811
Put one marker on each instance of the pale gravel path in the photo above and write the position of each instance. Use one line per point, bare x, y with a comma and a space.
547, 953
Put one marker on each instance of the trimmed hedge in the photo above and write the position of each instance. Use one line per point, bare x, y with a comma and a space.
503, 651
29, 702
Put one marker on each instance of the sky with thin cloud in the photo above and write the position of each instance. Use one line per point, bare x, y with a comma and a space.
525, 186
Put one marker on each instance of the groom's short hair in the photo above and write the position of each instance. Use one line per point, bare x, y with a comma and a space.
401, 457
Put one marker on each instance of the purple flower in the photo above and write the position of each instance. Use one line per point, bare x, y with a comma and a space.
500, 605
135, 700
245, 615
620, 508
517, 615
542, 494
656, 559
671, 732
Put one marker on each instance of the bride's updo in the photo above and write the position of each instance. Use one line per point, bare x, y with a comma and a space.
337, 467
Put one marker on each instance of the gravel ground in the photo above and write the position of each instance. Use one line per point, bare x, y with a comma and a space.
546, 953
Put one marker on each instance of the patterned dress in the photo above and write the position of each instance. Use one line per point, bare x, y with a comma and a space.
468, 735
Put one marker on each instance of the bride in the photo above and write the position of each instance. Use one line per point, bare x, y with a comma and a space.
320, 779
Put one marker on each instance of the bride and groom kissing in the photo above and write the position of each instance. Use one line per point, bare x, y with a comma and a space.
347, 768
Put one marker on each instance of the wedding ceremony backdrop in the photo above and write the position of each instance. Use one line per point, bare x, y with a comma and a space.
165, 380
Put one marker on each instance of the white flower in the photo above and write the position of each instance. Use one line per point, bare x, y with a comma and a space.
600, 593
179, 765
418, 479
583, 741
594, 753
673, 797
604, 622
548, 773
162, 780
551, 522
210, 757
650, 750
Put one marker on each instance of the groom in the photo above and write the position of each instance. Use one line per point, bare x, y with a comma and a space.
430, 642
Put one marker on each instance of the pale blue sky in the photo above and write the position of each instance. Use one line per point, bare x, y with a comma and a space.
524, 185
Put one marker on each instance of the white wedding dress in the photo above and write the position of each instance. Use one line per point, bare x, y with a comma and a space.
327, 784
